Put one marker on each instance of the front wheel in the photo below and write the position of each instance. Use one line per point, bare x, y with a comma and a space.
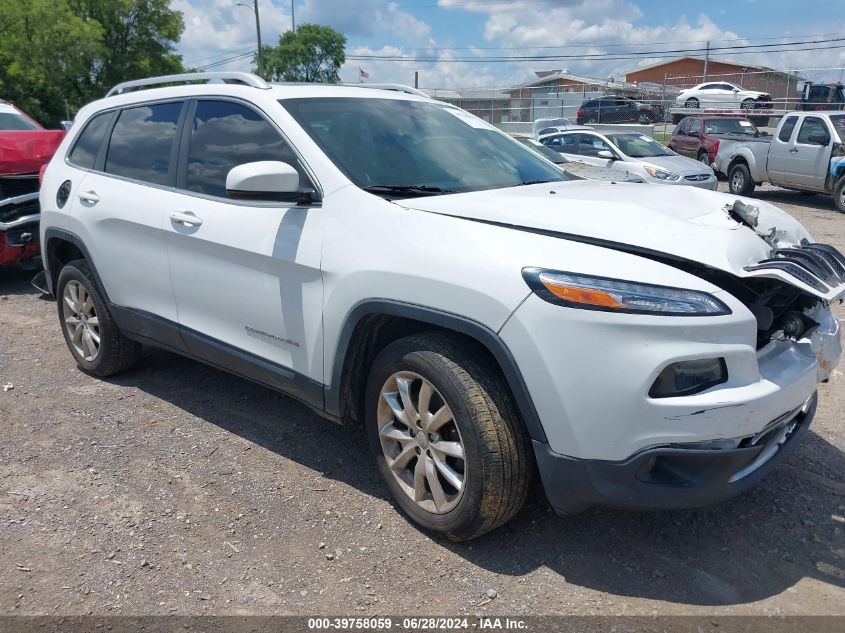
740, 182
446, 436
90, 332
839, 195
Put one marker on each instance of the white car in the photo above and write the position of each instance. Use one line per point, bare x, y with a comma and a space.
720, 94
633, 153
480, 316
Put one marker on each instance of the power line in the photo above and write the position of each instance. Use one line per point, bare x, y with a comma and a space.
629, 55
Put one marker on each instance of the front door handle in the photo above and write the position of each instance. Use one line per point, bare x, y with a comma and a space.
185, 218
794, 150
90, 197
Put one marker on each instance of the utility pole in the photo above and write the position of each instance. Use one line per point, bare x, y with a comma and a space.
706, 60
292, 17
416, 79
259, 56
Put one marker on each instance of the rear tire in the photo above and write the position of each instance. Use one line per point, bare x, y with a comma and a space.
839, 195
692, 102
482, 426
90, 332
703, 157
740, 182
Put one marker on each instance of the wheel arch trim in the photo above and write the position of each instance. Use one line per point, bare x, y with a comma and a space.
53, 233
488, 338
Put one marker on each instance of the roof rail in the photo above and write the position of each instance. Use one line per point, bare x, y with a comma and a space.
246, 79
395, 87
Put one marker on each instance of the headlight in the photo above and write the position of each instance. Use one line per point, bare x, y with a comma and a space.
615, 295
661, 174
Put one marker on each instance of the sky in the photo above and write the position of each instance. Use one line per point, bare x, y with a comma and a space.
447, 41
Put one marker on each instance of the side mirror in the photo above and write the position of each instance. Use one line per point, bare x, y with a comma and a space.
736, 89
605, 153
692, 133
819, 139
263, 180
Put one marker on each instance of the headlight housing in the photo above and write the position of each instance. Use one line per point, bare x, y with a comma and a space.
589, 292
661, 174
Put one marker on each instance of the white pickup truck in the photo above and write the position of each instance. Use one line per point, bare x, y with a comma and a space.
806, 153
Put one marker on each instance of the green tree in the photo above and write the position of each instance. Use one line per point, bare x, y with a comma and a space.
313, 53
139, 37
44, 56
57, 55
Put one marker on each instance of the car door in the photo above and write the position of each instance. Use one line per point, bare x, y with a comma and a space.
779, 165
119, 204
812, 153
246, 273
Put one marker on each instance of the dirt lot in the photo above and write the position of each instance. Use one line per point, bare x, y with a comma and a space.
176, 488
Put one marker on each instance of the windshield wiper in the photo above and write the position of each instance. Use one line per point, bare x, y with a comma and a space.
408, 190
533, 182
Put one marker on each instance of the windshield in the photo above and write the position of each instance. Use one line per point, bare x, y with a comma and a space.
729, 126
545, 152
838, 121
421, 147
15, 121
639, 145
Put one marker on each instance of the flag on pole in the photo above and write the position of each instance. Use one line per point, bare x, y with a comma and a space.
363, 74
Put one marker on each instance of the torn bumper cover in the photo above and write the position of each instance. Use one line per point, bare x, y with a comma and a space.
671, 477
19, 218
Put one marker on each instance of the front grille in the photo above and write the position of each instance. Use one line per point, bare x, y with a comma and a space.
18, 207
697, 178
819, 266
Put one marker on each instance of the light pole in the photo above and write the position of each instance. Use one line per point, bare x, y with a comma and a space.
254, 8
292, 17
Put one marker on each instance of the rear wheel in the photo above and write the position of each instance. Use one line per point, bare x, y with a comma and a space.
703, 157
446, 437
839, 195
740, 182
90, 332
692, 102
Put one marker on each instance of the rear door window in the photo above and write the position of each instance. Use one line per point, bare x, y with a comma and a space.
142, 143
87, 146
786, 130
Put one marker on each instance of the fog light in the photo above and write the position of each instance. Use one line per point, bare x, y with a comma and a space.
688, 377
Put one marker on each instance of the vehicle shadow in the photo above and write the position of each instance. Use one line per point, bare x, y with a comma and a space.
16, 281
744, 550
818, 201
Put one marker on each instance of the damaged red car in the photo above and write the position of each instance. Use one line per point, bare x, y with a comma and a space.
25, 147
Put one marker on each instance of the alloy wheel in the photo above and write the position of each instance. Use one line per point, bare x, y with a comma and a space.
421, 442
81, 322
737, 181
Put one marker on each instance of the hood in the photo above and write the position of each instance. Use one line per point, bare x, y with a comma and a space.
24, 152
681, 165
684, 222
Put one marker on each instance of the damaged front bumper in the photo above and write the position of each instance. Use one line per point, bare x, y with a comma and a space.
671, 477
19, 219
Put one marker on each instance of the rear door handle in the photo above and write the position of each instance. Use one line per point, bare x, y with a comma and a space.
89, 196
185, 218
794, 150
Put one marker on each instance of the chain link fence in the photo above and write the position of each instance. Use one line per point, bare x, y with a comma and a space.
589, 101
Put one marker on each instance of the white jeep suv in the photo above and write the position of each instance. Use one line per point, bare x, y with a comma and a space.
393, 261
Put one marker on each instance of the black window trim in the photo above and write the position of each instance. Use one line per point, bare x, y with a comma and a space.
99, 164
103, 144
184, 148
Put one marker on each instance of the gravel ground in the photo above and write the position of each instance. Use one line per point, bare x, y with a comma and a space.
176, 488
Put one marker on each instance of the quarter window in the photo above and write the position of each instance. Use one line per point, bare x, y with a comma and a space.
786, 130
142, 142
87, 146
224, 135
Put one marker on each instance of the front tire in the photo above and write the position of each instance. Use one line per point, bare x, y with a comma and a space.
839, 195
446, 436
90, 332
740, 182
